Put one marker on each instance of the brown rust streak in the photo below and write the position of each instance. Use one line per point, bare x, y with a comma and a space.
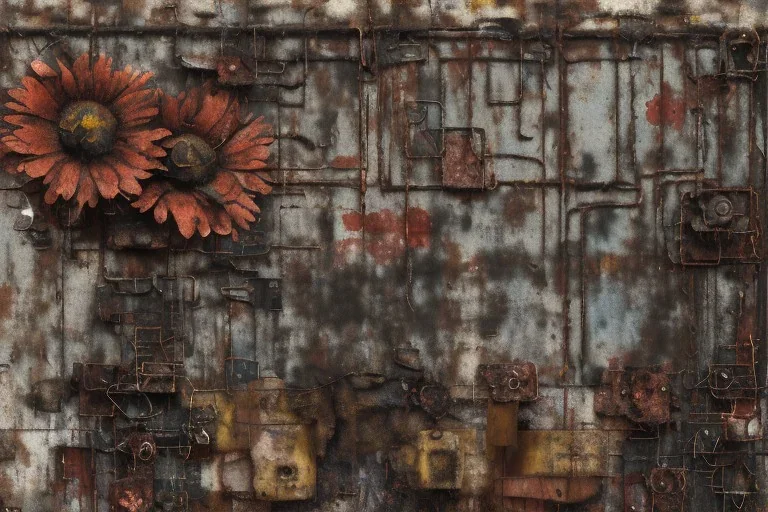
6, 301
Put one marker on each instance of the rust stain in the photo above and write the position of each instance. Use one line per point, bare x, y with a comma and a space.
345, 162
353, 221
559, 490
419, 228
384, 230
610, 264
6, 301
666, 109
75, 471
462, 167
518, 203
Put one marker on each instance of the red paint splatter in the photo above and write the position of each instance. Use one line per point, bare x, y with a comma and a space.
666, 108
419, 228
385, 234
352, 221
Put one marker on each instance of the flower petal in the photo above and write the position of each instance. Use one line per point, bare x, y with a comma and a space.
220, 221
190, 216
51, 196
127, 82
35, 137
225, 187
43, 70
126, 176
136, 159
119, 82
126, 172
144, 140
257, 132
219, 110
141, 119
106, 179
253, 152
82, 71
37, 167
36, 98
53, 178
189, 107
18, 107
169, 110
68, 80
240, 215
29, 120
138, 80
69, 177
161, 211
86, 191
252, 158
102, 78
245, 201
253, 182
150, 195
137, 105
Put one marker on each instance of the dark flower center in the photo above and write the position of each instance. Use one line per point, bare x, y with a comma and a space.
192, 160
87, 128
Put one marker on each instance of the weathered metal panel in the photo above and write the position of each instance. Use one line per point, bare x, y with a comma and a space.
511, 260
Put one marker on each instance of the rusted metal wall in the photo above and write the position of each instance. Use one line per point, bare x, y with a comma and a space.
511, 261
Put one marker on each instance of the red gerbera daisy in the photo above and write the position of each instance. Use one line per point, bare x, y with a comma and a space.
213, 162
83, 130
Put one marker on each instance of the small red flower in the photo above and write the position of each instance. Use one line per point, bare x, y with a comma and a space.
213, 164
83, 130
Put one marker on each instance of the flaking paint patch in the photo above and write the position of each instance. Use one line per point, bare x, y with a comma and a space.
385, 238
340, 9
666, 108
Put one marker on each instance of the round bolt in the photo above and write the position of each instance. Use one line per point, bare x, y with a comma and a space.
723, 207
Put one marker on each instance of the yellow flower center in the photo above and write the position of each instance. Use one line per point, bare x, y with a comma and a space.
87, 128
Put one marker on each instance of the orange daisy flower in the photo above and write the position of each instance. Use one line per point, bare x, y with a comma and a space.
213, 162
84, 130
